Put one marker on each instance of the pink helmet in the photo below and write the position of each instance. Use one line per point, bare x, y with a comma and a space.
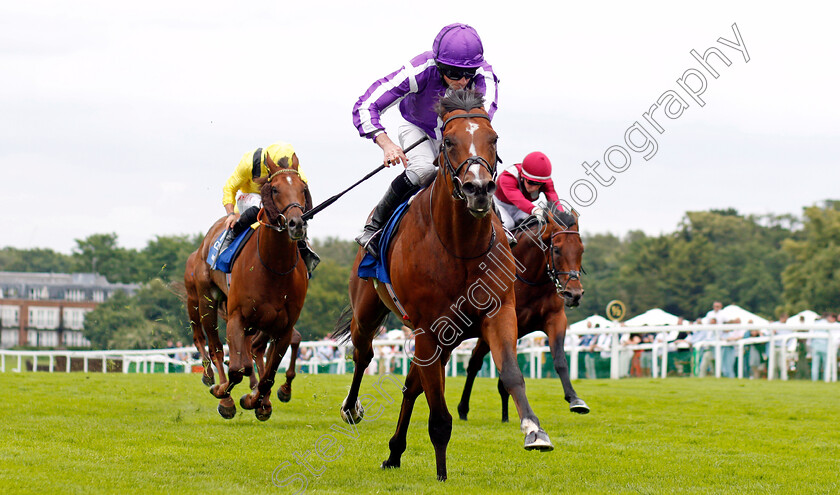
536, 167
458, 45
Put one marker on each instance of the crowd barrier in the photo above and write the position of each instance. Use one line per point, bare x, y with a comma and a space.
390, 355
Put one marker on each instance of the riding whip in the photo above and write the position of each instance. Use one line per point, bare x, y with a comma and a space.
311, 213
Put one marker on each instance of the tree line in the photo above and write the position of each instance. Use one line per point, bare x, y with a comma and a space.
767, 264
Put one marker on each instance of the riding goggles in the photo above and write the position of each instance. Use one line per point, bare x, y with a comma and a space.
456, 73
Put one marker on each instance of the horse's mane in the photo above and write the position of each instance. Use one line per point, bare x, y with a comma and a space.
460, 99
564, 218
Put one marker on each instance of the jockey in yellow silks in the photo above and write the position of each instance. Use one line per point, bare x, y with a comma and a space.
241, 194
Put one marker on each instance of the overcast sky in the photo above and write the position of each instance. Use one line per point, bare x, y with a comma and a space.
128, 117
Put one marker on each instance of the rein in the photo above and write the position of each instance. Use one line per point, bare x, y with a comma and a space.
432, 216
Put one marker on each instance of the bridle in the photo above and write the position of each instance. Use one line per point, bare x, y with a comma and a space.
282, 225
457, 189
281, 221
551, 267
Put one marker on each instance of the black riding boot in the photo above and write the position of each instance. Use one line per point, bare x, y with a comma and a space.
309, 257
248, 217
397, 192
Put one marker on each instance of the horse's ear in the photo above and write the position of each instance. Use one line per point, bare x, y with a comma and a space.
295, 162
269, 164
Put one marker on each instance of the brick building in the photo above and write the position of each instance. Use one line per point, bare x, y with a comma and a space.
48, 309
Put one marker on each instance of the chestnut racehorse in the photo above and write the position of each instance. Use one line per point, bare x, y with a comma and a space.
268, 284
549, 254
442, 262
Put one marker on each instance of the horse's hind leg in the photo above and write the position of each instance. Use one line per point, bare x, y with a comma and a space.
412, 390
368, 313
555, 328
196, 322
503, 393
284, 392
440, 421
476, 362
257, 344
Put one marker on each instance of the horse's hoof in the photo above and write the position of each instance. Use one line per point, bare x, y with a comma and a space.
227, 412
208, 380
441, 477
462, 412
505, 419
284, 396
245, 402
263, 413
578, 406
538, 440
388, 464
353, 416
219, 392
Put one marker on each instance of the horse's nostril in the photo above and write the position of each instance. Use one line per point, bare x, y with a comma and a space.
491, 187
469, 188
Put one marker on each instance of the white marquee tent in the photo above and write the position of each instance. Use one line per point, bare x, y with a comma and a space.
652, 317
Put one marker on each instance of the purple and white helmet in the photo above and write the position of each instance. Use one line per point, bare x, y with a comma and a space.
458, 45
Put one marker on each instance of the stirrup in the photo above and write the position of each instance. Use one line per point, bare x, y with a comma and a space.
368, 241
510, 237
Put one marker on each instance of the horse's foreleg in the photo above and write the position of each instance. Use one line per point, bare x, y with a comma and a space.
260, 398
440, 421
503, 393
284, 392
397, 444
476, 362
500, 334
555, 328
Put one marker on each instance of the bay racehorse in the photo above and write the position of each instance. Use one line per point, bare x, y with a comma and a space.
548, 254
452, 271
268, 284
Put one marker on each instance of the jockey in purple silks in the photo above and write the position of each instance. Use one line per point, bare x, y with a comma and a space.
456, 61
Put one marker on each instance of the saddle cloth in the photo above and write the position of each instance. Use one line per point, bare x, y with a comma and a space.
378, 268
228, 256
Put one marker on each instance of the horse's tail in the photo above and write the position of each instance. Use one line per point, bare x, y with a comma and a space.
341, 332
178, 289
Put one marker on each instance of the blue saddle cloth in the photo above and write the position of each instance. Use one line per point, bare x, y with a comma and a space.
378, 268
225, 259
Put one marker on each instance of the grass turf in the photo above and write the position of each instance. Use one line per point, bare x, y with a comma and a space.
77, 433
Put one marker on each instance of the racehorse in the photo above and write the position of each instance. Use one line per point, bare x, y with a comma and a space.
440, 270
549, 252
268, 285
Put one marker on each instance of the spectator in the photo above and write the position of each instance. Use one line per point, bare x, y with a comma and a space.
728, 357
704, 353
819, 348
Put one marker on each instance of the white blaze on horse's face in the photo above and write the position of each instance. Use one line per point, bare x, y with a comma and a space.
475, 168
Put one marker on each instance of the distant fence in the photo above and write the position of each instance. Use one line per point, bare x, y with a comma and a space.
389, 357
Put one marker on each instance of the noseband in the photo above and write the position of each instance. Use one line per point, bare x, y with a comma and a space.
457, 191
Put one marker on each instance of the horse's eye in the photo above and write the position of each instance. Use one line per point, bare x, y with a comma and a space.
556, 250
447, 142
273, 190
